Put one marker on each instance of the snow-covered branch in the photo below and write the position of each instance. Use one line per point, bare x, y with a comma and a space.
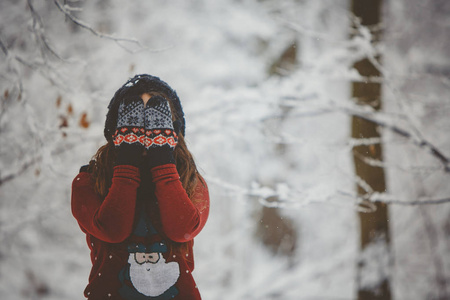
388, 199
420, 142
381, 119
286, 197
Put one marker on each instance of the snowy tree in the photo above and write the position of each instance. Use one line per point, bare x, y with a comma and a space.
265, 88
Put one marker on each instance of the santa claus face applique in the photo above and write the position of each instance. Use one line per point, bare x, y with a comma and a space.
150, 274
147, 274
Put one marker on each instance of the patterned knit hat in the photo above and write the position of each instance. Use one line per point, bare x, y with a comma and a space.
138, 85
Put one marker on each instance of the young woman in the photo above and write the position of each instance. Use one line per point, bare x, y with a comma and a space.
141, 200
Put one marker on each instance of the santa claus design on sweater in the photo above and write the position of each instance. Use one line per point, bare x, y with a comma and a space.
151, 277
149, 274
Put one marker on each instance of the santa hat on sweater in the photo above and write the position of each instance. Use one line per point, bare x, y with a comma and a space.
138, 85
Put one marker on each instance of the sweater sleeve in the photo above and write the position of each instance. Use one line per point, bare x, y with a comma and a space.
182, 218
109, 219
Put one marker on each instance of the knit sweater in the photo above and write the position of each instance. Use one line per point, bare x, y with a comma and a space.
130, 233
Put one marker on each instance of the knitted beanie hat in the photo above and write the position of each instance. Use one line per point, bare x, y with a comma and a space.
138, 85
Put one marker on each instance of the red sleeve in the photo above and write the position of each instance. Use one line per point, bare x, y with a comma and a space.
182, 218
111, 219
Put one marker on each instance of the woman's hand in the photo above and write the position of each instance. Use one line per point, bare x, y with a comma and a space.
129, 137
161, 137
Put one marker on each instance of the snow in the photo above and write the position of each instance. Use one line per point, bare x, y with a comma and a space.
260, 141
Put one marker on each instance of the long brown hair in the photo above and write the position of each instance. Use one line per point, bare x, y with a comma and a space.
102, 164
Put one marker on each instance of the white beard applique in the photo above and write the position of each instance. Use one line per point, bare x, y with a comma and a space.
150, 274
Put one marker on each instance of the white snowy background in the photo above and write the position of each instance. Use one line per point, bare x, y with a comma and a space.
58, 77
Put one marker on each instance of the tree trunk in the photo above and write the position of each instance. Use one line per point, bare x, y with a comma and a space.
373, 265
277, 233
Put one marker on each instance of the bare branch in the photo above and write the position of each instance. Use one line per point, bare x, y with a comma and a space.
38, 30
80, 23
37, 67
3, 47
119, 40
21, 170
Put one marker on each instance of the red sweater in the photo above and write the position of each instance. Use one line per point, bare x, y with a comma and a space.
131, 230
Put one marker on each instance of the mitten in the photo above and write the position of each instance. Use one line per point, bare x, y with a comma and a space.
160, 136
129, 137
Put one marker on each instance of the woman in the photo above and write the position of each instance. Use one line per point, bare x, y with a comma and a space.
140, 200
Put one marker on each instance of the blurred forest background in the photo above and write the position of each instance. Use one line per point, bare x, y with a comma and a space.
321, 127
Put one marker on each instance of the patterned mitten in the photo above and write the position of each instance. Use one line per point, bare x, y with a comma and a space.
160, 137
129, 137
